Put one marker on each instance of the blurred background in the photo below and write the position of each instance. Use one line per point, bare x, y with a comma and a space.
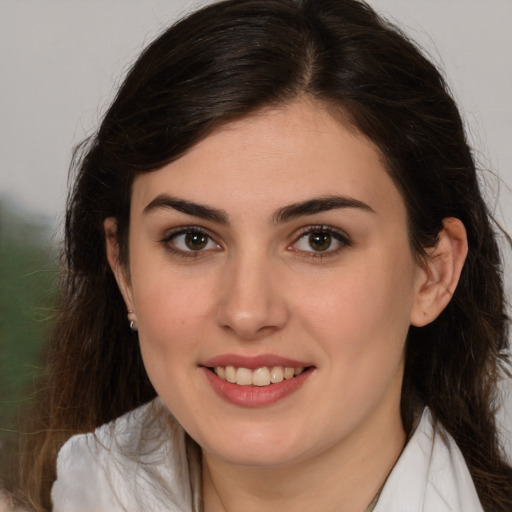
60, 64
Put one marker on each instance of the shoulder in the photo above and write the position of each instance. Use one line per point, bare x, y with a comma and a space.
122, 466
430, 475
82, 484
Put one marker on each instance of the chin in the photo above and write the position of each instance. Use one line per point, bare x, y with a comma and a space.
256, 449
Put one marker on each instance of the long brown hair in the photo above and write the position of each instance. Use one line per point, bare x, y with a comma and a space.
227, 61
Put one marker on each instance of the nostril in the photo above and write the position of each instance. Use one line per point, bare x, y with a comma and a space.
249, 304
248, 333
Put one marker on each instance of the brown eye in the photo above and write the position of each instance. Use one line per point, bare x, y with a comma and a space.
190, 240
196, 241
320, 240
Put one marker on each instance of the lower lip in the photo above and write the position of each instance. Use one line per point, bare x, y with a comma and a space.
255, 396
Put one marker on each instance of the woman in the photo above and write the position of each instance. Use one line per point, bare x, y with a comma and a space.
277, 232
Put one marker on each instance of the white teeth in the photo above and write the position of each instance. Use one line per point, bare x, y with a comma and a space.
277, 374
260, 377
244, 377
288, 373
231, 374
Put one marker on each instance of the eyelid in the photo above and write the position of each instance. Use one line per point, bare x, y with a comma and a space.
339, 235
166, 241
169, 234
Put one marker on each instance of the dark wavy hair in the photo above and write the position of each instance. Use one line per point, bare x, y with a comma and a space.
227, 61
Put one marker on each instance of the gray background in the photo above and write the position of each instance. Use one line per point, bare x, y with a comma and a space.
61, 60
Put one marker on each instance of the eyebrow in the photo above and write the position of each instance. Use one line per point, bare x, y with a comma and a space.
164, 201
285, 214
318, 205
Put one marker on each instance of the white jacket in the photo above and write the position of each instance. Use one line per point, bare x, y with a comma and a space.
141, 462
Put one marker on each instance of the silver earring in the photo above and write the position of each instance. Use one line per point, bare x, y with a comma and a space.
133, 321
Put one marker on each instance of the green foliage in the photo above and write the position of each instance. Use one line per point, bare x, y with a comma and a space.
28, 276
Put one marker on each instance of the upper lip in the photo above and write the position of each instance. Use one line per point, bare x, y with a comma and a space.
253, 362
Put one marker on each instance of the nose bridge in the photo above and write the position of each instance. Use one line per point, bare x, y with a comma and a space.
251, 304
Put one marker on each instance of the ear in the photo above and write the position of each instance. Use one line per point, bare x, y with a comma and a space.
119, 270
441, 272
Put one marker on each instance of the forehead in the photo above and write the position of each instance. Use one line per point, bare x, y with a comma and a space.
273, 158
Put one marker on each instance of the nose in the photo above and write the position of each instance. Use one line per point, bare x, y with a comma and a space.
252, 301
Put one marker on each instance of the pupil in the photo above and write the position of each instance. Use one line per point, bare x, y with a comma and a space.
195, 241
320, 241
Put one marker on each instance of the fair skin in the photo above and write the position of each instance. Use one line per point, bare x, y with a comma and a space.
281, 241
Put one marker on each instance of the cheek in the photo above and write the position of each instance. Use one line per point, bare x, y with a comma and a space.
363, 311
172, 315
171, 310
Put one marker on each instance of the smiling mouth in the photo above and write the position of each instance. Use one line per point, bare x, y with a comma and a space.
259, 377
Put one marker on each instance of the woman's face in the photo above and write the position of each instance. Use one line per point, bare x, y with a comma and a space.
278, 242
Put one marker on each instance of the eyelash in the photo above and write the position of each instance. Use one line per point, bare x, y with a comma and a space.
336, 235
167, 241
339, 237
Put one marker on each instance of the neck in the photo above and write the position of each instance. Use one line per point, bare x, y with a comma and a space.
344, 478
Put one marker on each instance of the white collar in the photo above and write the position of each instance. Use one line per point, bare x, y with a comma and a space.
141, 462
430, 475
